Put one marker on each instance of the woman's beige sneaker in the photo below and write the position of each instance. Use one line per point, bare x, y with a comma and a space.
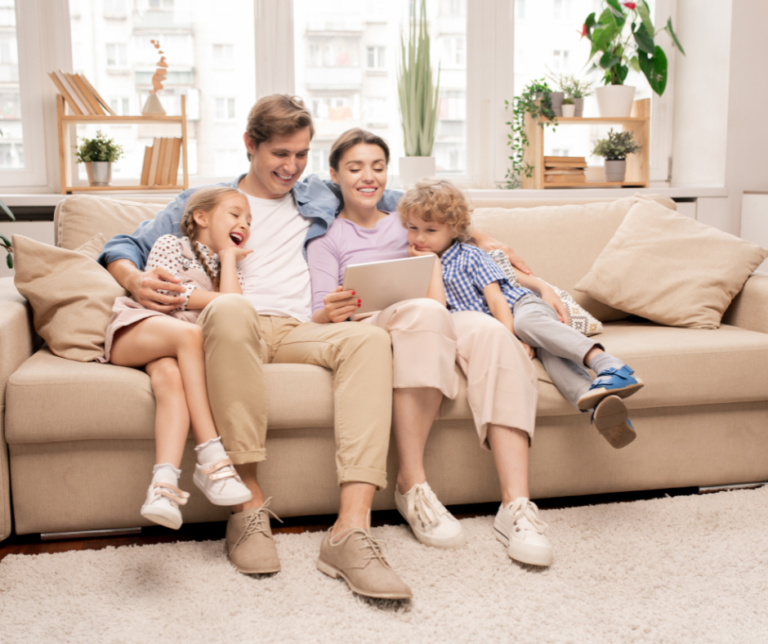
430, 521
519, 527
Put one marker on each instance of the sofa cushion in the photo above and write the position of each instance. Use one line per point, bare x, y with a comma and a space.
70, 294
79, 217
679, 367
671, 269
50, 399
560, 243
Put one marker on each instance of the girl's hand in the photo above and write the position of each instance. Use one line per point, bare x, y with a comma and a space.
239, 254
339, 305
419, 253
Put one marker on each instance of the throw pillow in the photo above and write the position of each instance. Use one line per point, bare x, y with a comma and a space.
578, 317
70, 294
671, 269
92, 248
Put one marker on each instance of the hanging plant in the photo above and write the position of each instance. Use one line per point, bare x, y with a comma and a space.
536, 100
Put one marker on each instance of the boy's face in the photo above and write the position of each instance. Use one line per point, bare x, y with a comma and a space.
429, 236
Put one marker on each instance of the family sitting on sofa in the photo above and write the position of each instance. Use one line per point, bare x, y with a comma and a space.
258, 264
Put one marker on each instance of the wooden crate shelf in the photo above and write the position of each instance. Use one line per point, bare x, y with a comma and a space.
638, 165
65, 146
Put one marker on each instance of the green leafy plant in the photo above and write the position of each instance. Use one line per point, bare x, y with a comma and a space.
571, 86
617, 146
99, 148
568, 101
638, 50
415, 89
536, 100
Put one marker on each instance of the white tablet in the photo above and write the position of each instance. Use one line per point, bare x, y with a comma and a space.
382, 284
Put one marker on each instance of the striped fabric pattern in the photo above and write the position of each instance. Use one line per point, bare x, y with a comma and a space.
467, 270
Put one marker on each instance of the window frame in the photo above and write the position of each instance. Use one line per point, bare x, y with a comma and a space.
44, 43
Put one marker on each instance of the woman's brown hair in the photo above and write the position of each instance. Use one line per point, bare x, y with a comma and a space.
350, 139
277, 115
205, 199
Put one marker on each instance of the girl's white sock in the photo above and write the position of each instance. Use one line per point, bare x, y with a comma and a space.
211, 451
167, 473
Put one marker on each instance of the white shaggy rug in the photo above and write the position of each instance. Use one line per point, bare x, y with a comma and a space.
683, 569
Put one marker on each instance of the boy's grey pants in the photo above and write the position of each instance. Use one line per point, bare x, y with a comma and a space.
560, 348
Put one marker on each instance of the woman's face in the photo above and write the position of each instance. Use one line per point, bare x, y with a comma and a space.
362, 175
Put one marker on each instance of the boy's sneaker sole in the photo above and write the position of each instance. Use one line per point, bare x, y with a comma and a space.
592, 398
524, 553
612, 421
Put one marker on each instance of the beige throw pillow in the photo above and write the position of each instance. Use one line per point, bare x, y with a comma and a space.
92, 248
70, 294
671, 269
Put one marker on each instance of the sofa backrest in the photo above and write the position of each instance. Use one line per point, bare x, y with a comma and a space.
561, 242
79, 217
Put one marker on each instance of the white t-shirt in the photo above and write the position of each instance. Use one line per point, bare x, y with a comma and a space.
275, 274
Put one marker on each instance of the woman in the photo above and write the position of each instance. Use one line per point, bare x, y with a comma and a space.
426, 342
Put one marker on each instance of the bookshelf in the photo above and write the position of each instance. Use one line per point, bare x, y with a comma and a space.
64, 122
638, 165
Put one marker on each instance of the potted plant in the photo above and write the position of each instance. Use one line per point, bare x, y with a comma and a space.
614, 150
569, 109
578, 90
615, 54
98, 154
418, 98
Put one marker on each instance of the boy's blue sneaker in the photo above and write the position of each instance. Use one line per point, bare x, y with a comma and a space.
610, 418
611, 382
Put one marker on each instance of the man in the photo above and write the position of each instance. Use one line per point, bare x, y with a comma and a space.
274, 312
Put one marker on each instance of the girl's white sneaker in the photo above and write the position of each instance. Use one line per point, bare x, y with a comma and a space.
519, 527
162, 504
429, 519
221, 484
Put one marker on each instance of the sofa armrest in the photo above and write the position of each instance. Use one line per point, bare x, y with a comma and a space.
17, 343
749, 309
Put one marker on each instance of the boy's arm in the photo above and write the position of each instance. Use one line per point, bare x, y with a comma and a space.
546, 293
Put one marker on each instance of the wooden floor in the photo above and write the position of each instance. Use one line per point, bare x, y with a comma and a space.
33, 545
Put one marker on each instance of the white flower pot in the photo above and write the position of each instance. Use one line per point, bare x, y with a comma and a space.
615, 100
569, 110
615, 170
414, 168
99, 172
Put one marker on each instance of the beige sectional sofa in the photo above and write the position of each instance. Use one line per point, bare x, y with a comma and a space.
80, 443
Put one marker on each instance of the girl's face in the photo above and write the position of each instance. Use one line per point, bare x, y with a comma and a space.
228, 224
362, 175
429, 236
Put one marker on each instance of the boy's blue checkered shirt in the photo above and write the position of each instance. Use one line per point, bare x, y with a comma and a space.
467, 270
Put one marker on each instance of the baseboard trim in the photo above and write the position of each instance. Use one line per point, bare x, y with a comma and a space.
88, 534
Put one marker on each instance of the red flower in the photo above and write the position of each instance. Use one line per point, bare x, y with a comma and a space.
630, 5
584, 30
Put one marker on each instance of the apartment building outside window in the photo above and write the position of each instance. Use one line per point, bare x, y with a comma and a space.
225, 109
224, 56
376, 58
117, 55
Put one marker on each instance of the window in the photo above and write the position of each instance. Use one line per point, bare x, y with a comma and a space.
225, 109
9, 53
333, 39
376, 58
115, 8
117, 55
560, 58
561, 10
224, 56
120, 106
161, 4
11, 134
520, 9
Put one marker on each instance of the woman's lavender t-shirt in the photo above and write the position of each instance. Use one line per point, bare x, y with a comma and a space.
347, 243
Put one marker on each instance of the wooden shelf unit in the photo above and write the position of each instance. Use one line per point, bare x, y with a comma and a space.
65, 146
638, 165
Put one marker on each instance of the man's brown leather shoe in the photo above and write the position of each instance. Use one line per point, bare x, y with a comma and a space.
250, 546
356, 557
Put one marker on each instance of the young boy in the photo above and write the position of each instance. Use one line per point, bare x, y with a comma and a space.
471, 281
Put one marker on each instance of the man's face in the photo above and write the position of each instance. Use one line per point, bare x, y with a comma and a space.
278, 163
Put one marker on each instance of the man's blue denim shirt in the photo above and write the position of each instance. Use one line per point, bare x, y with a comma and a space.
314, 197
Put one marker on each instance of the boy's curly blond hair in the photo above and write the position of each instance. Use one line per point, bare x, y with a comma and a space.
438, 200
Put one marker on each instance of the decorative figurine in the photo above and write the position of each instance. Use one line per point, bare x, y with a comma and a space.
153, 107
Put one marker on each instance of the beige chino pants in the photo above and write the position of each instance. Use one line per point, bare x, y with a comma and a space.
238, 342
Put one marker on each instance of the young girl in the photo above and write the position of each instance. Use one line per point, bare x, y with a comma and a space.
216, 225
473, 282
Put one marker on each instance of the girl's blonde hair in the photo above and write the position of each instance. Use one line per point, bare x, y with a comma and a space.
205, 199
438, 200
